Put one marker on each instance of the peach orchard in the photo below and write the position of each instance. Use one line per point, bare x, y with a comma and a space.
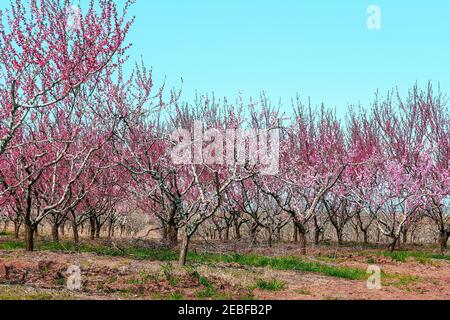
86, 148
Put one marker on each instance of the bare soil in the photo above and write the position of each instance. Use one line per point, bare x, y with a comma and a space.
43, 275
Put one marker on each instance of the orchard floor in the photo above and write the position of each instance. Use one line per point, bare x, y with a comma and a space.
418, 273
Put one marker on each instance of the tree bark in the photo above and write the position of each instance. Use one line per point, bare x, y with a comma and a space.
55, 233
279, 235
237, 230
92, 228
172, 234
253, 232
302, 237
110, 228
16, 230
270, 240
303, 243
295, 235
358, 236
76, 237
183, 251
316, 236
443, 240
227, 233
405, 236
97, 230
393, 244
365, 236
29, 238
63, 229
340, 235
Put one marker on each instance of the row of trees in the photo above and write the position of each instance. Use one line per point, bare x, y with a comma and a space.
83, 143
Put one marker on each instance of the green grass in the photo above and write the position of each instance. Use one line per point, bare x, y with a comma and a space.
143, 279
422, 257
23, 293
276, 263
406, 280
167, 271
209, 290
60, 281
303, 291
271, 285
176, 296
296, 264
10, 246
399, 281
5, 234
371, 261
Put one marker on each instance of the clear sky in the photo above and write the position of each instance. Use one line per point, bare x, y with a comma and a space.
318, 48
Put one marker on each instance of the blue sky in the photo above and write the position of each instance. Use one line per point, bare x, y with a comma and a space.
318, 48
321, 48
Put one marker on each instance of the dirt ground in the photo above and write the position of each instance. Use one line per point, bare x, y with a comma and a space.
43, 275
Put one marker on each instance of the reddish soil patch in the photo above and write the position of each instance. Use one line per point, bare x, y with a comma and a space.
106, 277
109, 278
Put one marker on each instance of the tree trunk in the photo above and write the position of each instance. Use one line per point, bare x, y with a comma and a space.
279, 235
443, 240
303, 243
92, 228
184, 251
302, 237
237, 230
110, 227
29, 238
316, 231
393, 244
405, 236
270, 240
172, 234
227, 233
97, 230
339, 235
76, 237
253, 233
316, 236
366, 236
358, 236
16, 230
295, 235
55, 233
63, 229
